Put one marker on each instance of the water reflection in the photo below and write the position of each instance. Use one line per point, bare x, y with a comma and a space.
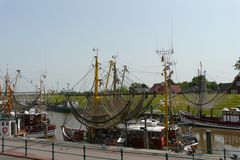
228, 139
59, 118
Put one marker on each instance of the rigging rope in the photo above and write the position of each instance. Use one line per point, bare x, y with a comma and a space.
82, 78
104, 123
199, 104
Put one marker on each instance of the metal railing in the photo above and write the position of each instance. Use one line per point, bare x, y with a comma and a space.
44, 149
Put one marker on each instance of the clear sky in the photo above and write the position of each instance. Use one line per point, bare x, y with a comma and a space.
58, 36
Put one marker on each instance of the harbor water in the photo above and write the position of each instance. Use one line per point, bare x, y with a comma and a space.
221, 139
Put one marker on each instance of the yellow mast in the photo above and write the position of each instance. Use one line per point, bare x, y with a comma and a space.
91, 130
166, 102
96, 80
166, 65
8, 92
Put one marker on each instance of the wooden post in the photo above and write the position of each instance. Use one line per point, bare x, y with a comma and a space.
121, 154
84, 152
52, 150
209, 142
126, 134
166, 156
2, 144
224, 152
145, 132
26, 147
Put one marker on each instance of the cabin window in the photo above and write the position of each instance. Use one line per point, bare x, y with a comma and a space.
7, 123
238, 83
3, 124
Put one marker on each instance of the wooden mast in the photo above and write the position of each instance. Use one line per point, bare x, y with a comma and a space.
110, 68
124, 72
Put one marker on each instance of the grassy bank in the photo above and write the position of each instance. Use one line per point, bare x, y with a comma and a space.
179, 102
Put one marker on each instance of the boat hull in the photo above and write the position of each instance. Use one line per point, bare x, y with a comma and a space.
71, 134
190, 119
41, 134
62, 109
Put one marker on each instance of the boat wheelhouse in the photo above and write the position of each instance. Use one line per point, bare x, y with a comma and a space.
147, 133
36, 124
9, 125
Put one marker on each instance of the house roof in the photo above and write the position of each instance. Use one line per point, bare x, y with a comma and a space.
159, 88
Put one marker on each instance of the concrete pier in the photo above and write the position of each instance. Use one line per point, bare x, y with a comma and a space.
60, 150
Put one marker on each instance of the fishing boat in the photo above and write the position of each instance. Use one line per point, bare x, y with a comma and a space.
63, 108
105, 106
9, 123
230, 119
35, 121
17, 119
148, 133
36, 124
72, 134
107, 111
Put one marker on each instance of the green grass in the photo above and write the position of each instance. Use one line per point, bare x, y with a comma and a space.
179, 102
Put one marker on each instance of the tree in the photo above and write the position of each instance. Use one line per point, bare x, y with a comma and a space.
237, 65
135, 86
197, 80
122, 89
212, 85
184, 85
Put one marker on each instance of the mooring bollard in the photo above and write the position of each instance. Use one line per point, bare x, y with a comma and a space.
166, 156
25, 147
2, 144
52, 150
209, 142
121, 154
84, 152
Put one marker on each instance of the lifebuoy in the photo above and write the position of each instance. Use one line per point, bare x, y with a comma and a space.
5, 130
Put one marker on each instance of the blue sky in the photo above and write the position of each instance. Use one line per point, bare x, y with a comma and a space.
58, 36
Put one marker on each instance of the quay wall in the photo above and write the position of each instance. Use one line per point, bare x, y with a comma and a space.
44, 149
